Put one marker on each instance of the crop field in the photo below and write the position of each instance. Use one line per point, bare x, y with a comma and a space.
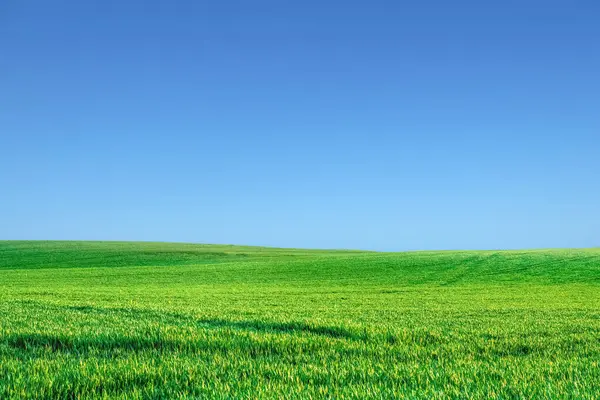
82, 320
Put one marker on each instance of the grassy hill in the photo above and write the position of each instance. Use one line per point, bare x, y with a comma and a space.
157, 320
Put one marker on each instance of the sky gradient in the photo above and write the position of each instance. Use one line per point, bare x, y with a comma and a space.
385, 125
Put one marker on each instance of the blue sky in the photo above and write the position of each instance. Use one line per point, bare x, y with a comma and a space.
387, 125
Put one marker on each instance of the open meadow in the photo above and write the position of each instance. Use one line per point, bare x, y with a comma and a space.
83, 320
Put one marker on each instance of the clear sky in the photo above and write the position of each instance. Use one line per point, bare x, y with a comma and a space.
386, 125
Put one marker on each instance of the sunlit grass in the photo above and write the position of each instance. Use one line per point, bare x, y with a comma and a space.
152, 320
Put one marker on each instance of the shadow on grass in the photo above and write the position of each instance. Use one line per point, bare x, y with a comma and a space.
159, 341
83, 344
282, 327
293, 327
37, 344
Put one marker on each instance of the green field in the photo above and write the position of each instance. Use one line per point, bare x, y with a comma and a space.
154, 320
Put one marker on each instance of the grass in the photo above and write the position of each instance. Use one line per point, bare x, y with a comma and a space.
154, 320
